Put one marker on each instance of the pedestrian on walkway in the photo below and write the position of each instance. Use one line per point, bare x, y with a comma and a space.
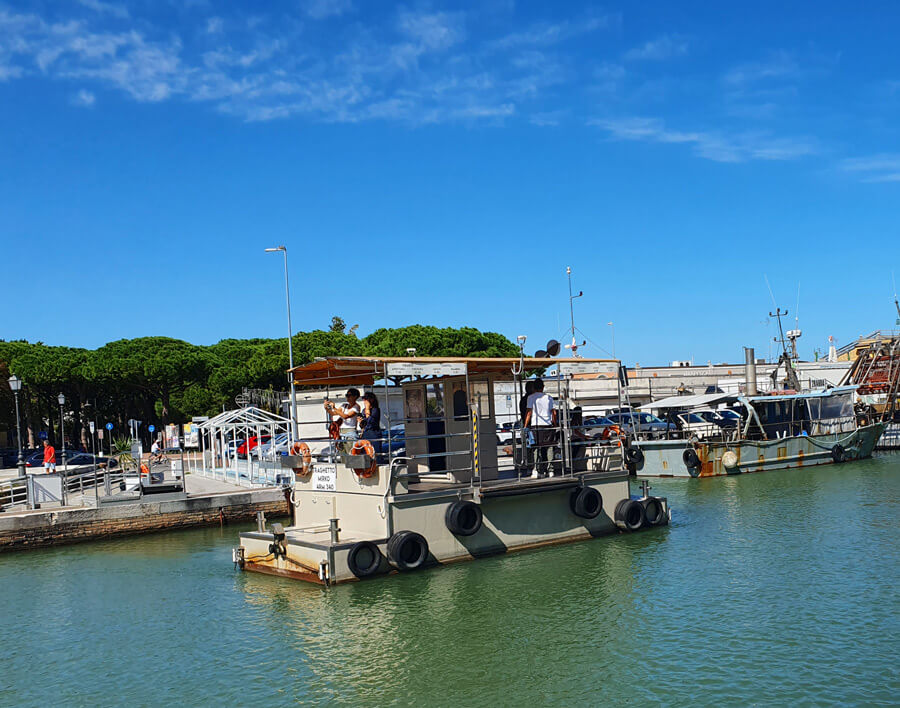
49, 457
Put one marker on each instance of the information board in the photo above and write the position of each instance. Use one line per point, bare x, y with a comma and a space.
411, 368
606, 368
324, 478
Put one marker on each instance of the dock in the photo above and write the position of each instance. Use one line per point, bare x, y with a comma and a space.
208, 503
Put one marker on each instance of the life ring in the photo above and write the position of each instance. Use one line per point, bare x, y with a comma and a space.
838, 454
301, 450
364, 559
364, 447
407, 550
629, 515
610, 431
729, 459
586, 502
145, 471
463, 518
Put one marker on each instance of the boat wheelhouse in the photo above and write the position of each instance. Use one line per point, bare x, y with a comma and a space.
778, 430
372, 507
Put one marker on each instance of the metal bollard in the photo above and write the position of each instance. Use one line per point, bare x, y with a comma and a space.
261, 521
335, 531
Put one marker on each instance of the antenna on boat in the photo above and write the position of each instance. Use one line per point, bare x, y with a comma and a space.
896, 304
786, 358
574, 345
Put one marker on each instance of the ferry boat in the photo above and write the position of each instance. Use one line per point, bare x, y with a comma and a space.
777, 430
447, 495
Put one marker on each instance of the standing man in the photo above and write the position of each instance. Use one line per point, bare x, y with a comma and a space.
541, 417
49, 458
527, 459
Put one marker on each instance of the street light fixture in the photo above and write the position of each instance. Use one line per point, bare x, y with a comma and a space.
15, 385
287, 293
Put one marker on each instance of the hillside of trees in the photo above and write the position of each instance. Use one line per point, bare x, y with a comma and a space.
161, 380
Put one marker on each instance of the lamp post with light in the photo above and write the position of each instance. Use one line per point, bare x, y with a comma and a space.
613, 338
15, 385
287, 292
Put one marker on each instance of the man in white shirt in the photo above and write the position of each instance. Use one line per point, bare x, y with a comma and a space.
541, 418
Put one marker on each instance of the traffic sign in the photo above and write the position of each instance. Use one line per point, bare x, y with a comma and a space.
42, 435
151, 428
91, 426
109, 426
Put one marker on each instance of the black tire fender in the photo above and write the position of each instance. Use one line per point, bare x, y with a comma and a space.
654, 513
838, 454
691, 459
407, 550
464, 518
364, 559
586, 502
634, 456
629, 515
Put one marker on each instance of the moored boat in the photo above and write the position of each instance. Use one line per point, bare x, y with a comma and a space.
368, 508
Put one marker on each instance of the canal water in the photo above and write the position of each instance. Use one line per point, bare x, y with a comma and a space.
773, 588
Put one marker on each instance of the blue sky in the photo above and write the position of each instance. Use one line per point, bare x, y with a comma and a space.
442, 163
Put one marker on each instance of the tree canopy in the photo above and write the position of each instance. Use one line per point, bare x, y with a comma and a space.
162, 380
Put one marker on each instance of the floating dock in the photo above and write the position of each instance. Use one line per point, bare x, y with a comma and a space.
35, 528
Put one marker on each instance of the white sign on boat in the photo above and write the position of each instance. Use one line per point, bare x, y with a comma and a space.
409, 368
567, 368
324, 478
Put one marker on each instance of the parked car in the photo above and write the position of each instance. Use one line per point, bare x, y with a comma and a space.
73, 459
721, 419
637, 422
276, 446
250, 443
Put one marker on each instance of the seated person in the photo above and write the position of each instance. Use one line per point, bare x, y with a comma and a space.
371, 421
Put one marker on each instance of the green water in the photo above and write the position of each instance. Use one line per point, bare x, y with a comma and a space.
774, 588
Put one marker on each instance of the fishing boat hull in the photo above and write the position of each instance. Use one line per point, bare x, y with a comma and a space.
673, 458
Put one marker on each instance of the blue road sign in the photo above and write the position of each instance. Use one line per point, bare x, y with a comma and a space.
109, 426
42, 435
151, 428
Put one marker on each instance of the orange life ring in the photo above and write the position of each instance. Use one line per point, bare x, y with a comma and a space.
145, 471
301, 449
610, 431
364, 447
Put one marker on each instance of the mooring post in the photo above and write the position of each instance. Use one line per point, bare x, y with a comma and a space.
335, 531
261, 521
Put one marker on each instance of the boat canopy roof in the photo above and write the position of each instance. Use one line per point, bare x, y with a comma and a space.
701, 399
816, 393
364, 371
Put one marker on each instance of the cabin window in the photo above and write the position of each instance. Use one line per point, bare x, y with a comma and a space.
415, 405
481, 397
434, 401
460, 401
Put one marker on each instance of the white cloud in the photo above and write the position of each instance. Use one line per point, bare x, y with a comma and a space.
547, 119
84, 98
107, 8
546, 34
666, 47
321, 9
215, 25
716, 146
884, 167
432, 31
779, 65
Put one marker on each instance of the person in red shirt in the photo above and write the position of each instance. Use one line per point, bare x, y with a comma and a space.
49, 458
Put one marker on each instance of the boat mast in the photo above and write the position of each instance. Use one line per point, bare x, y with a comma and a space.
785, 358
574, 345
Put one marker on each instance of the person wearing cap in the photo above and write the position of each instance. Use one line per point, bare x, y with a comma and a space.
348, 413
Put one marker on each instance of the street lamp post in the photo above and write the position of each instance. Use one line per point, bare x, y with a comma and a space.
62, 434
287, 293
613, 338
15, 385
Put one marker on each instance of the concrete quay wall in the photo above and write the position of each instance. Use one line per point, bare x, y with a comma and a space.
40, 528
